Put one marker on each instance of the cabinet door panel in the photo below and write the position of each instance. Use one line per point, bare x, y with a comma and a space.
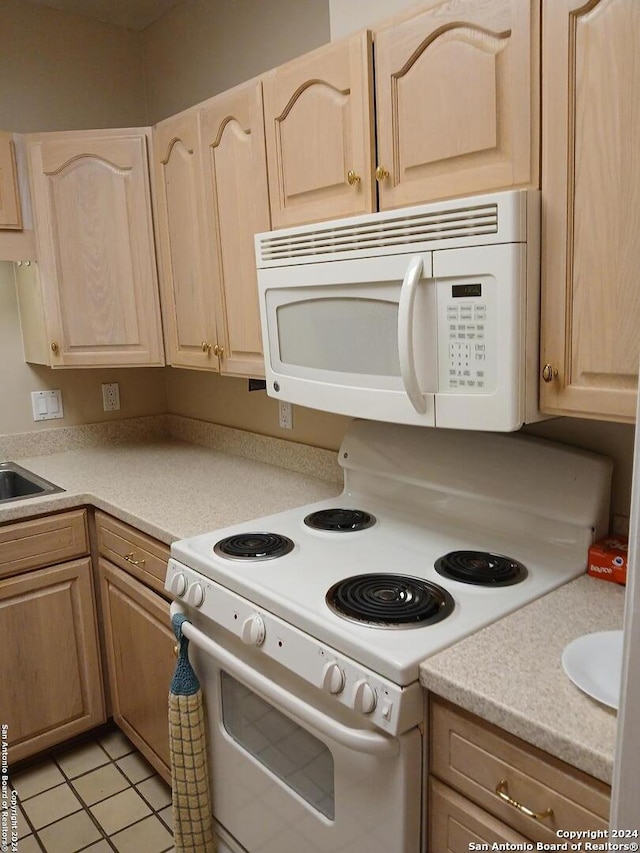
189, 306
139, 643
92, 211
9, 199
318, 122
591, 215
52, 679
455, 823
457, 99
237, 198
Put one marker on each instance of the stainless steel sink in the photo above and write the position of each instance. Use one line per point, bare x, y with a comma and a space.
16, 483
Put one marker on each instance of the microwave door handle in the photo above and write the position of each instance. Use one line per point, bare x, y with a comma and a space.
405, 335
360, 740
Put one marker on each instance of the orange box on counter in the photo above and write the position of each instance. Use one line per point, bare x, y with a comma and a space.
608, 559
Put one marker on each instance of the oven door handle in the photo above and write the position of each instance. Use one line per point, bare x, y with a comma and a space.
360, 740
406, 353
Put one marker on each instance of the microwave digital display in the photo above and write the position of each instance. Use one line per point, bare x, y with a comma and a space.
462, 291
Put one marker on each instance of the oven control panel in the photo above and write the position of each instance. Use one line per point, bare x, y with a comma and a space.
388, 706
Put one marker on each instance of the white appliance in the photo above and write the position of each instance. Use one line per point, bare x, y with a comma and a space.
427, 315
315, 716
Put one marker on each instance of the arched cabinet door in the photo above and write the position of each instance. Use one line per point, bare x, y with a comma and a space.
591, 209
318, 125
189, 305
96, 251
236, 196
457, 100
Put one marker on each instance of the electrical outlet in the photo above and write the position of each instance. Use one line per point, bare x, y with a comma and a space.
286, 415
110, 396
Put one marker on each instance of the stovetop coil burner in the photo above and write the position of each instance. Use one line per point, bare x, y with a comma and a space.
390, 601
480, 568
338, 519
253, 546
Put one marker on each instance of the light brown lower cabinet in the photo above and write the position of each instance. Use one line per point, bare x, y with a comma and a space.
140, 658
52, 679
455, 823
487, 785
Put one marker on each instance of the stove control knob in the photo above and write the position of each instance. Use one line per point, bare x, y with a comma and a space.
253, 630
197, 595
333, 679
364, 698
179, 584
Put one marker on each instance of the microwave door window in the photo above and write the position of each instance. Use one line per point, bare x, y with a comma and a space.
341, 334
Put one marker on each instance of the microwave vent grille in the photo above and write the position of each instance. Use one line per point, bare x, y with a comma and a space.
379, 233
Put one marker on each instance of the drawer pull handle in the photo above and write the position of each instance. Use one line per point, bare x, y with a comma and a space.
503, 792
129, 558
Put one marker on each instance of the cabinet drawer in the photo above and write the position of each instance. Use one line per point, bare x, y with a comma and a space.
135, 552
479, 760
455, 823
43, 542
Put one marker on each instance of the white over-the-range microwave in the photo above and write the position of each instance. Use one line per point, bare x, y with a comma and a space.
427, 315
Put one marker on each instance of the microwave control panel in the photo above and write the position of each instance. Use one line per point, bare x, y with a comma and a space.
466, 336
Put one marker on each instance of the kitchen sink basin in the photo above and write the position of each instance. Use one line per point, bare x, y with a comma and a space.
16, 483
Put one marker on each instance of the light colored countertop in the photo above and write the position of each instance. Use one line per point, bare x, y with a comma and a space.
511, 674
169, 489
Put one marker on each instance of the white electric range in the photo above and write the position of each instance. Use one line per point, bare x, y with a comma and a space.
321, 615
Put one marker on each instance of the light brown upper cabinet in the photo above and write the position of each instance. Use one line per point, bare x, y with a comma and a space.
189, 305
9, 198
457, 100
318, 112
211, 179
96, 252
591, 208
237, 203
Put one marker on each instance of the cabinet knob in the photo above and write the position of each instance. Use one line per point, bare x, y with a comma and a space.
381, 173
218, 350
352, 178
55, 348
549, 372
206, 347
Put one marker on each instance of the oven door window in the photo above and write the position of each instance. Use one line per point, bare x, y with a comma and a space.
290, 752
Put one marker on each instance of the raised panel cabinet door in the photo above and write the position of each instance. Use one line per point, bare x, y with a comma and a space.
591, 208
189, 307
457, 100
237, 200
10, 217
139, 646
96, 251
52, 680
318, 113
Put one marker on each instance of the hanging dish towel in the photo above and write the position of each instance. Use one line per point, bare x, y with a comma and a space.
192, 821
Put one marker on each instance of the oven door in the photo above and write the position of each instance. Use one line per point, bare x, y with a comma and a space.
289, 777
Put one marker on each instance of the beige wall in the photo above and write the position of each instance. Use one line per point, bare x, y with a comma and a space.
142, 392
203, 47
348, 16
62, 72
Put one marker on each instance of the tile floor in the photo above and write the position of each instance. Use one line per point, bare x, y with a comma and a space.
97, 797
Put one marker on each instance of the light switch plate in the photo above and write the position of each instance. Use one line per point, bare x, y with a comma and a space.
46, 405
